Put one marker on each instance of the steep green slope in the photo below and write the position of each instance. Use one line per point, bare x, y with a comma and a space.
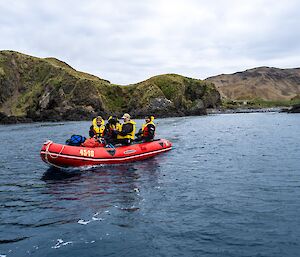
49, 89
174, 94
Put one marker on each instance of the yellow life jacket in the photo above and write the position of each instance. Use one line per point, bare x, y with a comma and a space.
131, 134
99, 130
117, 127
145, 125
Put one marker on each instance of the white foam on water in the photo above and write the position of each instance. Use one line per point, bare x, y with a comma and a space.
83, 222
61, 243
91, 242
94, 218
2, 255
66, 243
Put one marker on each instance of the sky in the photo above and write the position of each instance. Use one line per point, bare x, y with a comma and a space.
127, 41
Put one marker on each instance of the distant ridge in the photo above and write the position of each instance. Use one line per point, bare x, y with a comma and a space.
267, 83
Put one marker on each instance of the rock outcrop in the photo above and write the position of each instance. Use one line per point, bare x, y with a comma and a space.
172, 95
295, 109
5, 119
48, 89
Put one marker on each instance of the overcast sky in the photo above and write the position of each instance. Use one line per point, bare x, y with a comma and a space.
127, 41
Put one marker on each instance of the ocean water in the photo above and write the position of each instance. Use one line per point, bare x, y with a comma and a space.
230, 187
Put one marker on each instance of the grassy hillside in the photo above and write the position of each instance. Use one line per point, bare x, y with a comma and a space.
49, 89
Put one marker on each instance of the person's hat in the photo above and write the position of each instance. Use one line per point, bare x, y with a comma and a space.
126, 115
113, 119
150, 117
99, 118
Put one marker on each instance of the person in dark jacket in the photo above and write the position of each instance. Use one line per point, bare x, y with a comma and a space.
147, 132
111, 130
127, 130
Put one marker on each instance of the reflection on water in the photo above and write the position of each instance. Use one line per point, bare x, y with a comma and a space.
54, 174
99, 188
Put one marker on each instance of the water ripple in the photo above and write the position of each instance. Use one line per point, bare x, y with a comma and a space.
229, 188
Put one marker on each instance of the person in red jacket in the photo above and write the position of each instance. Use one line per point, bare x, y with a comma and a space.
147, 132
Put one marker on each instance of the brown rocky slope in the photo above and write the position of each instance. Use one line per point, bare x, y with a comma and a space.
259, 83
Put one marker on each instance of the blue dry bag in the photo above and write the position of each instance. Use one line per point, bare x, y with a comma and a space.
75, 140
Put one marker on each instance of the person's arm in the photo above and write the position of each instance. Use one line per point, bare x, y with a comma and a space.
91, 132
106, 130
151, 129
140, 132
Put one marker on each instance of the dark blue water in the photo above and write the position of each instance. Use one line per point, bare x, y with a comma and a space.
231, 187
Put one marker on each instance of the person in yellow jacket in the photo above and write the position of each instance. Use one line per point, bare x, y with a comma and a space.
97, 128
147, 132
127, 130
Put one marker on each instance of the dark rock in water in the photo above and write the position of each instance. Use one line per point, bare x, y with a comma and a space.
295, 109
2, 116
285, 109
4, 119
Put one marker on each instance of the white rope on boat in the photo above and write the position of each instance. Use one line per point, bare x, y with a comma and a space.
47, 152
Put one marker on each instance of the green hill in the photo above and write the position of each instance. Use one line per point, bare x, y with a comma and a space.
50, 90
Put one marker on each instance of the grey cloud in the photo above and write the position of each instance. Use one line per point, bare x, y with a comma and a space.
128, 41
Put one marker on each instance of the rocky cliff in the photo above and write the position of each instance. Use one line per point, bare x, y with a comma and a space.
48, 89
259, 83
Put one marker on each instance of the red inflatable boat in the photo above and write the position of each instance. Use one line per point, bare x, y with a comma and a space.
65, 156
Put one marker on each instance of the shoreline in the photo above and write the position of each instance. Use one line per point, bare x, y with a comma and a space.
246, 110
12, 120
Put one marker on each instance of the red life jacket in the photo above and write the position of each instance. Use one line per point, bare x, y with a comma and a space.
145, 128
